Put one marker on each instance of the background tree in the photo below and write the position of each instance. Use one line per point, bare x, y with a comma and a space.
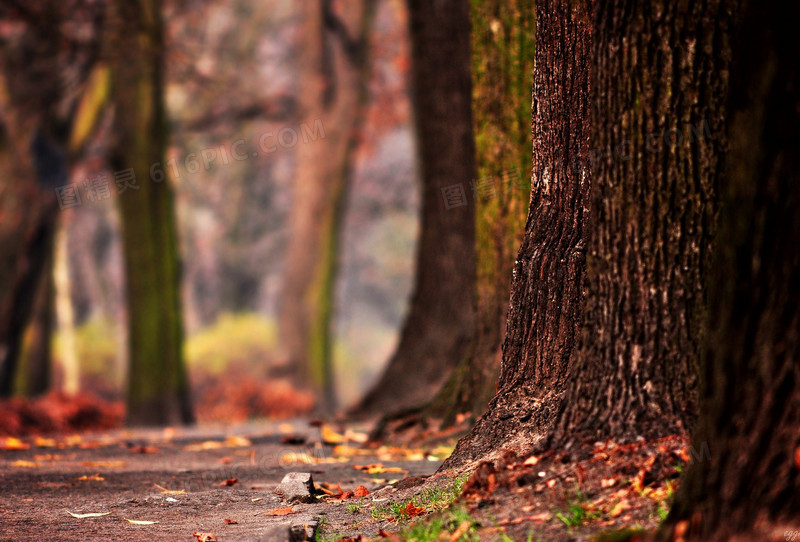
502, 39
439, 323
751, 369
659, 82
546, 293
158, 391
333, 96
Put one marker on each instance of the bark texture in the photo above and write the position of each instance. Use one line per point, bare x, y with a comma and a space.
749, 487
659, 81
158, 389
502, 68
333, 95
440, 320
546, 292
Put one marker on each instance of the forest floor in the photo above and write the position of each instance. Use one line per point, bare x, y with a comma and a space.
184, 484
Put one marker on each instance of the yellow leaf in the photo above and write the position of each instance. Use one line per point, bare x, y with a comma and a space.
24, 464
12, 443
140, 522
166, 491
42, 442
237, 442
89, 515
104, 464
90, 106
330, 436
92, 478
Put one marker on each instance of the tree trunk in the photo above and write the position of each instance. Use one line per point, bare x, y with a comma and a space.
334, 84
158, 390
546, 294
659, 80
502, 61
750, 484
440, 320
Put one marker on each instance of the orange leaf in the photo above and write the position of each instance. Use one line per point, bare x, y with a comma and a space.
12, 443
231, 522
204, 537
144, 450
93, 478
411, 510
281, 511
229, 482
360, 491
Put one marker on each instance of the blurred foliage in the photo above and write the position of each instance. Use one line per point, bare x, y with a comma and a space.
96, 348
245, 339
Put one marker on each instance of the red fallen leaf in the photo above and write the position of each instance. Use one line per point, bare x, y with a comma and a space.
204, 537
330, 489
346, 495
225, 460
229, 482
231, 522
360, 491
281, 511
411, 510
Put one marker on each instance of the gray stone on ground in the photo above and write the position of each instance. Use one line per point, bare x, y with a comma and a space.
297, 487
303, 532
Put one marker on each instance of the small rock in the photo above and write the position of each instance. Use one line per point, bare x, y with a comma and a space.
297, 487
303, 532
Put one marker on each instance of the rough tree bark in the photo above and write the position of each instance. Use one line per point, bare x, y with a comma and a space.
749, 487
439, 323
546, 292
659, 83
502, 61
158, 389
334, 84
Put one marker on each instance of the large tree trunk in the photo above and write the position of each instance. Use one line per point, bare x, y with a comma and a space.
750, 484
502, 61
334, 83
659, 78
440, 320
158, 390
546, 292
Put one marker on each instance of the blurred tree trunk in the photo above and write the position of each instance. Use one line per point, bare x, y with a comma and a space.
502, 66
750, 484
158, 389
659, 81
440, 320
546, 292
38, 348
334, 83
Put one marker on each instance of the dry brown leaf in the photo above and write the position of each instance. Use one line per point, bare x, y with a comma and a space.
231, 522
89, 515
256, 499
140, 521
280, 511
412, 510
619, 508
229, 482
204, 537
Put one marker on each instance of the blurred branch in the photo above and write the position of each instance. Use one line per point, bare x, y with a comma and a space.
281, 109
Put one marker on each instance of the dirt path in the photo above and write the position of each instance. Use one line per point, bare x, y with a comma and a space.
41, 484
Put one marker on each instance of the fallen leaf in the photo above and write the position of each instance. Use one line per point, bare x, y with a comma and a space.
104, 464
256, 499
608, 482
12, 443
207, 445
231, 522
204, 537
619, 508
25, 464
461, 531
225, 460
329, 436
42, 442
229, 482
551, 483
532, 460
412, 510
377, 468
140, 522
360, 491
144, 450
330, 489
89, 515
166, 491
280, 511
91, 478
237, 442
